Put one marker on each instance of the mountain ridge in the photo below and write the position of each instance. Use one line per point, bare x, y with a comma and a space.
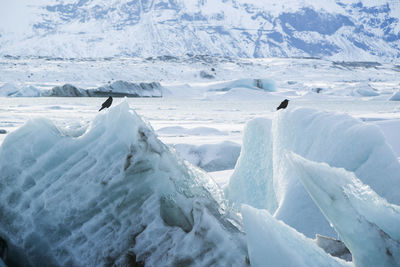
338, 30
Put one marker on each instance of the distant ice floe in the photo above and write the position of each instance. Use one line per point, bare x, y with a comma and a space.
116, 89
366, 222
395, 96
260, 84
11, 90
111, 195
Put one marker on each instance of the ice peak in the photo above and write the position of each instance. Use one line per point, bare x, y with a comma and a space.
113, 195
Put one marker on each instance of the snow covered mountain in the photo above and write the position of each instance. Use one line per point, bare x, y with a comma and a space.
340, 29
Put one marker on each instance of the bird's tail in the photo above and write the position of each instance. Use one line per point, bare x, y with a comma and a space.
101, 108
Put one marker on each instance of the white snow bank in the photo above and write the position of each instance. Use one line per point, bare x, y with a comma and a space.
366, 222
339, 140
67, 90
395, 96
210, 157
115, 195
365, 89
251, 182
272, 243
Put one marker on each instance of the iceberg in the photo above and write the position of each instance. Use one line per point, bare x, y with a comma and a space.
273, 243
340, 141
67, 90
366, 222
114, 195
124, 88
116, 89
251, 182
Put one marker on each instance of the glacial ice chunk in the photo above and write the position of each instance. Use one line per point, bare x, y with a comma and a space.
251, 182
124, 88
273, 243
114, 195
366, 222
340, 141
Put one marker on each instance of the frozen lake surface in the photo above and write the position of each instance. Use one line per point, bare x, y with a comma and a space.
188, 121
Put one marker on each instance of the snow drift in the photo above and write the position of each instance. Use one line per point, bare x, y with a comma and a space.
367, 223
273, 243
115, 195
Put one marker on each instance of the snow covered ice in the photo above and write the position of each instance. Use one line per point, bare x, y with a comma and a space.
197, 167
273, 243
339, 140
251, 181
113, 195
367, 223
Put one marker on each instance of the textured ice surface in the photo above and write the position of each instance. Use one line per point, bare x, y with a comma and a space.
334, 247
251, 182
339, 140
272, 243
366, 222
113, 195
66, 90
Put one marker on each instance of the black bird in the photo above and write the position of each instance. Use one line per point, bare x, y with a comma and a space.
107, 103
283, 104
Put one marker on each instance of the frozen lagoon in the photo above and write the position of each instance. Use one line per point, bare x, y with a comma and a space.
196, 122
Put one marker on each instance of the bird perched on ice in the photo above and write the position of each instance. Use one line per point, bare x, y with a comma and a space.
107, 103
283, 104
